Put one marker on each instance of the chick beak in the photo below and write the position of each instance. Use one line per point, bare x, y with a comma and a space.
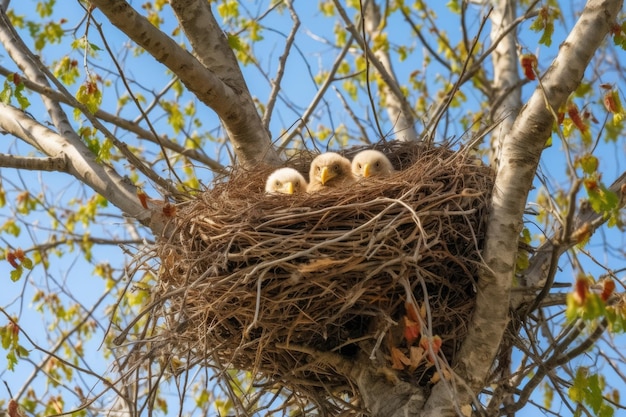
366, 170
325, 175
289, 187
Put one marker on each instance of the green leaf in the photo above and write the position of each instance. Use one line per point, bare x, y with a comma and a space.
454, 6
545, 22
589, 164
22, 352
594, 393
203, 398
16, 274
11, 360
602, 200
546, 38
234, 42
104, 153
327, 8
6, 93
588, 389
539, 23
6, 337
27, 263
90, 95
350, 88
548, 396
228, 9
21, 99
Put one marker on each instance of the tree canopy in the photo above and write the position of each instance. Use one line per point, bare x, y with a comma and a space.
115, 112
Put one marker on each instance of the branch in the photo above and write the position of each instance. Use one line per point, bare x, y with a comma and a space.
538, 271
555, 361
282, 62
129, 125
80, 162
33, 68
228, 97
403, 121
521, 150
387, 78
476, 66
33, 163
507, 90
330, 78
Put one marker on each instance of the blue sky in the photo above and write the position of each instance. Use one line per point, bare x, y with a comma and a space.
75, 272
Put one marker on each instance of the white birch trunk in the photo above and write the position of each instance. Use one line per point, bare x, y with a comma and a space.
506, 100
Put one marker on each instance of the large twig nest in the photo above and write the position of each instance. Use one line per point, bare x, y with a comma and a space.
265, 282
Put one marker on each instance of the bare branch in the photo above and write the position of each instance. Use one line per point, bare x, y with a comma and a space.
304, 119
403, 121
81, 163
423, 40
387, 78
557, 359
229, 99
445, 104
539, 268
282, 61
33, 163
34, 69
129, 125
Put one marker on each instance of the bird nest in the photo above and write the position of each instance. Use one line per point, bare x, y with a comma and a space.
272, 283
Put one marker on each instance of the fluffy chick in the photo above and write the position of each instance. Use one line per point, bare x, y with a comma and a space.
285, 181
371, 163
329, 170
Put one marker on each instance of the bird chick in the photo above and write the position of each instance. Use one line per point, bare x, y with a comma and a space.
285, 181
329, 170
371, 163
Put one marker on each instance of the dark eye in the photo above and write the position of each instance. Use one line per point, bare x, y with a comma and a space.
377, 164
277, 183
317, 169
337, 168
297, 185
358, 165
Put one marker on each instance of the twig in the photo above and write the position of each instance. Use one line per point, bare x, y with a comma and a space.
304, 119
282, 61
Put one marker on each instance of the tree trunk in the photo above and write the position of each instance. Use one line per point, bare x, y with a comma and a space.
521, 150
506, 100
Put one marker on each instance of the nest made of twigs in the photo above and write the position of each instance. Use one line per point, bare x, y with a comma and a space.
258, 282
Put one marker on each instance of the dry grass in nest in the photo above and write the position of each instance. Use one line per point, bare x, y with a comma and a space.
261, 282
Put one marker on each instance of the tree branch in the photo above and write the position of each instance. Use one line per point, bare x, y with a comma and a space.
230, 99
330, 78
33, 163
506, 86
403, 121
80, 162
521, 150
35, 70
387, 78
540, 263
282, 61
557, 359
129, 125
